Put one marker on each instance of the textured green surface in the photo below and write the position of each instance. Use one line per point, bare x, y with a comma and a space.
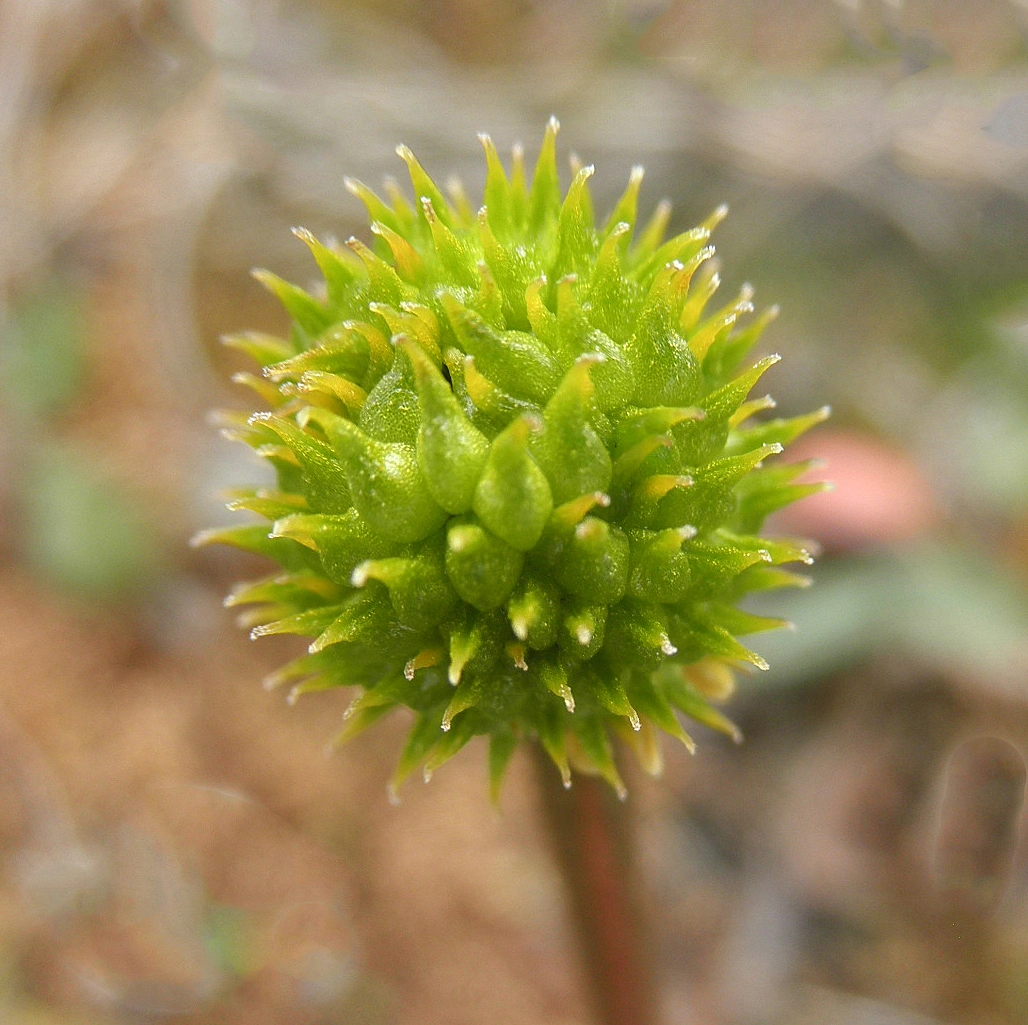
519, 478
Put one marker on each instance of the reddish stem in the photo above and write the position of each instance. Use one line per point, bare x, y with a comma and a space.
592, 833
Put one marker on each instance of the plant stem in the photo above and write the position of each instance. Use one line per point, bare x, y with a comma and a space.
592, 834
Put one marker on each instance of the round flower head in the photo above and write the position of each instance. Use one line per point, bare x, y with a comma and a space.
519, 482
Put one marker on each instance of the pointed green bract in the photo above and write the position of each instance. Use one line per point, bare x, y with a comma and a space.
521, 479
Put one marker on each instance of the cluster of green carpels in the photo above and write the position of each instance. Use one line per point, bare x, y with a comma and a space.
519, 482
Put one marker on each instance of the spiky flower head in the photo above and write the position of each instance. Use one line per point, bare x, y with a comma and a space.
519, 482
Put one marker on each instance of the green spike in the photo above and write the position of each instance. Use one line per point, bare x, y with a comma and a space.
576, 234
409, 265
308, 623
695, 637
711, 499
425, 188
518, 189
612, 296
339, 351
544, 196
368, 618
391, 413
424, 735
553, 737
497, 188
457, 257
378, 211
781, 431
685, 698
555, 679
651, 236
512, 269
309, 315
625, 209
385, 483
341, 274
482, 567
513, 498
260, 347
385, 283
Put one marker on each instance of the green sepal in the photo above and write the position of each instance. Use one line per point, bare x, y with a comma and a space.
591, 734
513, 497
368, 618
665, 369
501, 748
595, 561
451, 451
309, 315
475, 643
660, 569
326, 486
515, 360
534, 611
614, 377
651, 703
582, 629
570, 452
696, 636
637, 634
342, 542
419, 588
385, 482
482, 567
391, 412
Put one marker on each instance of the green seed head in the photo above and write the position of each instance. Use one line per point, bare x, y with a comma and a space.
519, 482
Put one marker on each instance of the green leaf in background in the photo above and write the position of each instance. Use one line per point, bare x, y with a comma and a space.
82, 531
41, 351
950, 609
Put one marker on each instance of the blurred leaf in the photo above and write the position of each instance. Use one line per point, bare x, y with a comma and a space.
948, 607
81, 530
41, 351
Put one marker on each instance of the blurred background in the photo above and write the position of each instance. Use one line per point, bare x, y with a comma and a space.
175, 843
